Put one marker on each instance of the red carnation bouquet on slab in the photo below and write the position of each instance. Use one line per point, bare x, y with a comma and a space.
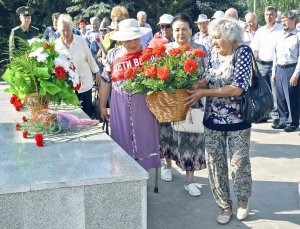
38, 69
164, 71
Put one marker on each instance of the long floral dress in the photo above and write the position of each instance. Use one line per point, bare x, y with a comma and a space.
186, 149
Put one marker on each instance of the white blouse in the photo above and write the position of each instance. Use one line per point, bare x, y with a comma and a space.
82, 58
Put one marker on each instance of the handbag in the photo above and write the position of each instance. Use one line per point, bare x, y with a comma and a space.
257, 101
192, 123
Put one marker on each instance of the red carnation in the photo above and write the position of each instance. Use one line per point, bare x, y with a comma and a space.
60, 72
24, 119
199, 53
18, 105
190, 65
47, 46
175, 51
18, 126
97, 39
39, 139
185, 47
130, 73
158, 50
150, 71
146, 55
25, 133
163, 73
13, 99
78, 86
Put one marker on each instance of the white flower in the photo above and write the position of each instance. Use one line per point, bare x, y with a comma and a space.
32, 40
42, 57
37, 52
61, 61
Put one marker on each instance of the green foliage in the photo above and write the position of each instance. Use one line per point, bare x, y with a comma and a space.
165, 72
32, 71
281, 5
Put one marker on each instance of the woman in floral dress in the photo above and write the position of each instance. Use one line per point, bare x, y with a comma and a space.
186, 149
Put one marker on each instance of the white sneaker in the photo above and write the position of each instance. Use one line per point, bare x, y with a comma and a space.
166, 174
242, 211
192, 189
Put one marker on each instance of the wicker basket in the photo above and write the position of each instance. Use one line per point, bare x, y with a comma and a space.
167, 106
36, 103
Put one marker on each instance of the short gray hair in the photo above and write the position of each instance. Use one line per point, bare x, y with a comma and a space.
228, 29
290, 15
64, 19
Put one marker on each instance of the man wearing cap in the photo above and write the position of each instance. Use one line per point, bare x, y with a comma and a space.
202, 37
24, 31
218, 14
165, 35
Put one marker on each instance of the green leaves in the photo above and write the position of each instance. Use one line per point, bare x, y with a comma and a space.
7, 76
50, 87
42, 73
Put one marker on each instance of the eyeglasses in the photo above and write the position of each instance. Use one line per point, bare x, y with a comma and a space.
165, 26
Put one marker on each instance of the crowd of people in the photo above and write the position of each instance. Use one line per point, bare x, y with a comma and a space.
103, 44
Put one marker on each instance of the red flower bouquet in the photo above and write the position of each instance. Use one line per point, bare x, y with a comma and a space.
164, 71
39, 69
164, 76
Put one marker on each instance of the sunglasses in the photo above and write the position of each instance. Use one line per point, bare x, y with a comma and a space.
165, 26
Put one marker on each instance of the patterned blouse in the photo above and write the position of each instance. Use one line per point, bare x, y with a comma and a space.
222, 113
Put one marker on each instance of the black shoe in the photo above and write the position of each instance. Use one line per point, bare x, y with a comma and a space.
264, 119
280, 126
276, 122
290, 129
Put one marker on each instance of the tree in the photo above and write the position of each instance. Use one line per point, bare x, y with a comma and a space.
281, 5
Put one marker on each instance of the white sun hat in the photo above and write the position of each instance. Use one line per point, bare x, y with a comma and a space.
165, 19
129, 29
202, 18
218, 14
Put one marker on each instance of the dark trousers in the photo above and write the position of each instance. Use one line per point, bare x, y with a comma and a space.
266, 72
288, 97
86, 101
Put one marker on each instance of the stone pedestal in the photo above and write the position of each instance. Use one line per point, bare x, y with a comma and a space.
87, 183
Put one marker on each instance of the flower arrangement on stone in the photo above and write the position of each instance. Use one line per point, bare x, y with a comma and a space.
42, 70
163, 71
48, 125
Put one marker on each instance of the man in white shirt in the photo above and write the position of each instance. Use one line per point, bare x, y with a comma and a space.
251, 27
92, 34
263, 46
286, 71
142, 18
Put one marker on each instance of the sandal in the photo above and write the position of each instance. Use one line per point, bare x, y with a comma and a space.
166, 174
224, 217
192, 189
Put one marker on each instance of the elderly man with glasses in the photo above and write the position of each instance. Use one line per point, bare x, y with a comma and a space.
165, 35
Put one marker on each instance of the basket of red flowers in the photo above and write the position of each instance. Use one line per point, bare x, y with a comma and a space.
165, 77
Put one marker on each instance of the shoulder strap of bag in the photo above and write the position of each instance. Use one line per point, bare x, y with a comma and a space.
255, 71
